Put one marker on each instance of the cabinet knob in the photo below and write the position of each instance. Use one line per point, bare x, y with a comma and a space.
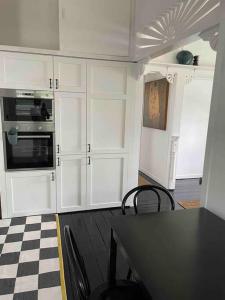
53, 176
89, 148
89, 160
57, 148
58, 161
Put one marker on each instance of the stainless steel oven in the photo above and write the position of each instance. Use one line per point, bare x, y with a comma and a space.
28, 146
27, 106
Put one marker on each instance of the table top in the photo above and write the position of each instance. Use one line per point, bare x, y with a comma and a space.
177, 255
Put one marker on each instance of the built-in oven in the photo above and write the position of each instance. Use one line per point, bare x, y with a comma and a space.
27, 106
28, 146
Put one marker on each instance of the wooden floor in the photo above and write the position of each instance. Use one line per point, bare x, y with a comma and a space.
92, 233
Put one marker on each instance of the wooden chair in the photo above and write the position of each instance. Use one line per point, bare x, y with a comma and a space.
156, 199
120, 290
156, 194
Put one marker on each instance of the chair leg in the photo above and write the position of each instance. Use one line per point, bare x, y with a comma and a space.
129, 274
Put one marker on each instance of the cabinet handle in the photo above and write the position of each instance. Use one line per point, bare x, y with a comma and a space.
89, 147
57, 84
53, 176
57, 148
58, 161
89, 160
50, 83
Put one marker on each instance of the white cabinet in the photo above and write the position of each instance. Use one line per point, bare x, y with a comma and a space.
30, 193
26, 71
108, 107
106, 180
70, 74
71, 183
70, 123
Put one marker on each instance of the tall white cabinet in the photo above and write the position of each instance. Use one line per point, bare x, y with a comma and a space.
108, 107
94, 112
92, 130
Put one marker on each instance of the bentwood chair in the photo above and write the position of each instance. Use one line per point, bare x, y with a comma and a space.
148, 198
120, 290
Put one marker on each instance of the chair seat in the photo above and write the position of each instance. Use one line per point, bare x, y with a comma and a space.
122, 290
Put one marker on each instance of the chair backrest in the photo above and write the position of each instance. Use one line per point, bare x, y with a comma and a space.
152, 197
79, 279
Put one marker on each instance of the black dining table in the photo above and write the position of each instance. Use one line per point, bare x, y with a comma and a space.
177, 255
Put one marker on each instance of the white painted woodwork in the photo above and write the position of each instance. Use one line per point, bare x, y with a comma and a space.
70, 123
193, 129
214, 168
108, 107
70, 73
30, 193
25, 71
71, 183
30, 23
106, 180
95, 26
185, 19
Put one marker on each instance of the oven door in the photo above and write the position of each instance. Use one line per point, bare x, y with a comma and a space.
27, 109
33, 150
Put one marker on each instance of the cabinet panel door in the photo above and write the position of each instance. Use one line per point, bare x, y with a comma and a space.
70, 74
71, 183
30, 193
70, 123
108, 107
106, 183
26, 71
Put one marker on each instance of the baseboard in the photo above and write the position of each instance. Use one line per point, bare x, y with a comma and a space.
151, 177
189, 176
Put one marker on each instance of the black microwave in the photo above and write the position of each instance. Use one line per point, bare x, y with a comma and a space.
27, 106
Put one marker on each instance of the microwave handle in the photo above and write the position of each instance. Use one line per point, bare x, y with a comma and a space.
34, 137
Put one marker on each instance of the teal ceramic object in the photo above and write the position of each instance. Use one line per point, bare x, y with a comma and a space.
185, 57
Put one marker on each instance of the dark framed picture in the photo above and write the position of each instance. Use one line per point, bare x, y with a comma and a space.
156, 94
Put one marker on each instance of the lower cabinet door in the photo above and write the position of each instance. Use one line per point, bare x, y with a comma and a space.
106, 180
30, 193
71, 183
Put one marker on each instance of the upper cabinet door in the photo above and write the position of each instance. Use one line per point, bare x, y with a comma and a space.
26, 71
70, 74
95, 27
70, 123
108, 106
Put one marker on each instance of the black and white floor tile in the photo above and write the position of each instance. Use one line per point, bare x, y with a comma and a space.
29, 260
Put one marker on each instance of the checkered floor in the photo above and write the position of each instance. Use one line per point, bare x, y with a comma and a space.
29, 261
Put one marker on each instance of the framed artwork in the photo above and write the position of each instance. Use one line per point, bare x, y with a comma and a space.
156, 95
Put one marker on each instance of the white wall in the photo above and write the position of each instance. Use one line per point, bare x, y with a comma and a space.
213, 195
157, 158
29, 23
193, 130
159, 149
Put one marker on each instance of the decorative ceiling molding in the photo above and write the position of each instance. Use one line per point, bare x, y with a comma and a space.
188, 78
212, 36
171, 77
174, 22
